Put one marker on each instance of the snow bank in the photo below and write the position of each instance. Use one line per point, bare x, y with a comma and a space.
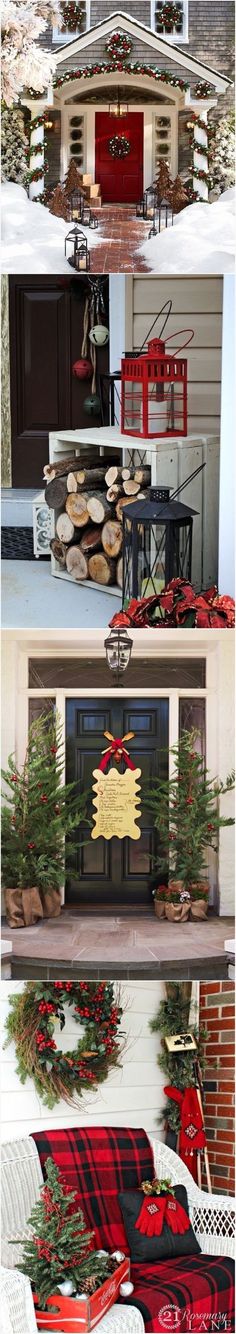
32, 238
202, 240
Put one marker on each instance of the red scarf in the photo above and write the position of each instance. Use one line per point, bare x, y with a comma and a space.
192, 1134
157, 1209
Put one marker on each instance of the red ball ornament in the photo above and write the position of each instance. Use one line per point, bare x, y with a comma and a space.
82, 369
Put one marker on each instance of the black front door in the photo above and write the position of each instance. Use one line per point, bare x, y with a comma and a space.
118, 871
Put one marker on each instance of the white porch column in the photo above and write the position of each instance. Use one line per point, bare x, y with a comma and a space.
227, 466
37, 149
200, 160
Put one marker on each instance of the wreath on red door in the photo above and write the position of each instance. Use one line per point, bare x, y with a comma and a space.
119, 146
118, 46
31, 1026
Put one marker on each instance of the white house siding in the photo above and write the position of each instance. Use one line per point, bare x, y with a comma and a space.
131, 1095
197, 304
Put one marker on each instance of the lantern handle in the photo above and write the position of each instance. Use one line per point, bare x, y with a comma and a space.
176, 335
157, 317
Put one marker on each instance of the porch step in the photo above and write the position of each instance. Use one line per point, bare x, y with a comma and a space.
194, 969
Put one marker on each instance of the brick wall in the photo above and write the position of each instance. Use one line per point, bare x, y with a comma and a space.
217, 1011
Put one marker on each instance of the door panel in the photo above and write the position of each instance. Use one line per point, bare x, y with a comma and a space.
117, 871
46, 332
121, 179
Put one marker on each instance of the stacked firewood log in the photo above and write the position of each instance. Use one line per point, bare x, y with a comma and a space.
88, 499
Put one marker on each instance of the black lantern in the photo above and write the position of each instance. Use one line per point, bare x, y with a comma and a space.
93, 221
80, 257
157, 544
74, 207
86, 214
162, 216
150, 201
118, 652
140, 208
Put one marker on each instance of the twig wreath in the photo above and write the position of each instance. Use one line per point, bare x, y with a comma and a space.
119, 146
31, 1026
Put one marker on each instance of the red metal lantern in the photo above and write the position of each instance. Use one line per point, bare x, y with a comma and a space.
154, 391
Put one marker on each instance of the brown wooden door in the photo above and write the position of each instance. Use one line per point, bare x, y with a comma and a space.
118, 871
46, 331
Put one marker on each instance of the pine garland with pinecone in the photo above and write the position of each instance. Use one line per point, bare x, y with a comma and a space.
60, 1246
178, 1068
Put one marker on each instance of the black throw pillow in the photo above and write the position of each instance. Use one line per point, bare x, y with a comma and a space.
144, 1248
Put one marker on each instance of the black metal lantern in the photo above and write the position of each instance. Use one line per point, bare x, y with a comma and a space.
163, 216
80, 257
118, 652
74, 206
86, 214
157, 544
93, 221
150, 201
140, 208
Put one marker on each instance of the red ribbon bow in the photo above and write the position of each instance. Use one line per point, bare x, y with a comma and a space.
117, 751
156, 1210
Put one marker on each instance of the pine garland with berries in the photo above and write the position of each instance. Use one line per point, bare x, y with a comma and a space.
60, 1246
178, 1069
31, 1025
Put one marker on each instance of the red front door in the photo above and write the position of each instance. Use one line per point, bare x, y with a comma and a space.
121, 178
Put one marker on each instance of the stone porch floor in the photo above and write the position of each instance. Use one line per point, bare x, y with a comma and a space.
105, 945
122, 233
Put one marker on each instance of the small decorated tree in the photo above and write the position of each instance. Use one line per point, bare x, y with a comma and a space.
60, 1247
186, 814
41, 811
179, 196
73, 179
163, 181
57, 202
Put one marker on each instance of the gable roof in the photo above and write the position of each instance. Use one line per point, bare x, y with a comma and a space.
158, 46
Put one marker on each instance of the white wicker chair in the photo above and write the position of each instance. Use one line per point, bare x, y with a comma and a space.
212, 1217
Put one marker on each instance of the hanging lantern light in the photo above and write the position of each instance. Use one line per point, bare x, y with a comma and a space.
99, 335
157, 544
92, 405
118, 648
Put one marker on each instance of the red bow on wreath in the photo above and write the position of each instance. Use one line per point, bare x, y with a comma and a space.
116, 751
192, 1134
155, 1211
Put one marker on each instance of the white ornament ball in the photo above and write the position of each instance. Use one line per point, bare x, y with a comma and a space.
118, 1256
81, 1296
126, 1289
99, 335
101, 1253
66, 1288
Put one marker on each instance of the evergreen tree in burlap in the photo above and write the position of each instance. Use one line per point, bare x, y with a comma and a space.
41, 810
14, 146
73, 180
60, 1246
57, 202
185, 811
163, 181
179, 197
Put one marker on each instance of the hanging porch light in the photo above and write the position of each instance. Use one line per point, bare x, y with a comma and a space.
118, 648
118, 108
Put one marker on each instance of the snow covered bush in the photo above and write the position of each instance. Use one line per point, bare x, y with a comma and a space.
223, 159
24, 62
14, 162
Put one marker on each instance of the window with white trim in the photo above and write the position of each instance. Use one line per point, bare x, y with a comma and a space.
76, 15
171, 25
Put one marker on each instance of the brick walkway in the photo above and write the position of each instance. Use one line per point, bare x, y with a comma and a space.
122, 233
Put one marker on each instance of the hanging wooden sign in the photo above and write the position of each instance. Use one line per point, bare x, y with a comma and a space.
116, 795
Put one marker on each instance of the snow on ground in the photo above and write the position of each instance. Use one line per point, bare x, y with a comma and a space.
32, 238
202, 240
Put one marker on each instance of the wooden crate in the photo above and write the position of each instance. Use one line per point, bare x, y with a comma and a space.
171, 462
79, 1317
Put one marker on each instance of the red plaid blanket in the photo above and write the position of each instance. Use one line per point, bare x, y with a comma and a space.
189, 1295
99, 1163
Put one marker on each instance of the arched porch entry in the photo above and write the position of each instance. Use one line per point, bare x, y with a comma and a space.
149, 123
